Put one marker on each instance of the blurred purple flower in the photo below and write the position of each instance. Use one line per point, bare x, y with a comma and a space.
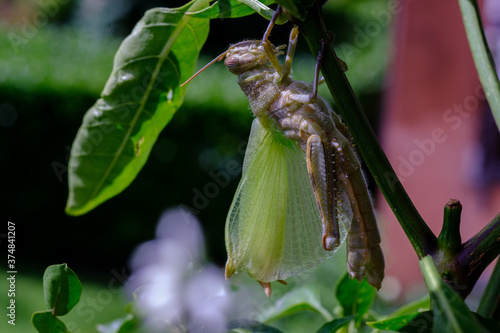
174, 285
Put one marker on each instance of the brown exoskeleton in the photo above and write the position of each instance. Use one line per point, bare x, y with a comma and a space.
259, 223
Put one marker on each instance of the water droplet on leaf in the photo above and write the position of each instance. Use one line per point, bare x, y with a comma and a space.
124, 76
97, 113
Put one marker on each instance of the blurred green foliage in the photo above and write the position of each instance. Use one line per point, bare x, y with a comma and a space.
57, 60
98, 304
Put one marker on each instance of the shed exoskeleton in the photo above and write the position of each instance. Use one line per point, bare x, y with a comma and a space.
302, 190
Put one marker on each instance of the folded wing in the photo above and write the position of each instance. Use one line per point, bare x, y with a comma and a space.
274, 228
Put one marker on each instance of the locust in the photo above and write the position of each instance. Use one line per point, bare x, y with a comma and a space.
302, 192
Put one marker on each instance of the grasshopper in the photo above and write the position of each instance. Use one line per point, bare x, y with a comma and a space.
302, 190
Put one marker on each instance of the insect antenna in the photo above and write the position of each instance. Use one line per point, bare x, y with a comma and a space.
218, 58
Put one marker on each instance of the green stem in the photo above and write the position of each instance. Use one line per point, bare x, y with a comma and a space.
481, 54
449, 240
489, 307
479, 251
421, 237
264, 11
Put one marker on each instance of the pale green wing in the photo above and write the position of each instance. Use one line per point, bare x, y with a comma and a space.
274, 229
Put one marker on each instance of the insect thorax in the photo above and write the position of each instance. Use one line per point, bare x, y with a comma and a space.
261, 88
270, 101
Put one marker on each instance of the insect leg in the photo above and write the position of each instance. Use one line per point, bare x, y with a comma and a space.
268, 47
331, 38
319, 62
364, 255
313, 96
321, 173
267, 288
292, 44
271, 24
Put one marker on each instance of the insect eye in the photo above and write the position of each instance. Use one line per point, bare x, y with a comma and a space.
231, 62
239, 63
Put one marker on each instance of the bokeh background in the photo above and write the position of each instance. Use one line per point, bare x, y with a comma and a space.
55, 57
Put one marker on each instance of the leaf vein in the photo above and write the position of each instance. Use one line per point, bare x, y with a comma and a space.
162, 57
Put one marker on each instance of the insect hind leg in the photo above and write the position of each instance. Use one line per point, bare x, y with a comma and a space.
319, 161
319, 62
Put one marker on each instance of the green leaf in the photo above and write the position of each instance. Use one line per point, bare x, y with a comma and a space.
450, 312
422, 322
419, 305
481, 54
247, 325
138, 101
408, 318
418, 322
61, 288
234, 9
334, 325
297, 300
45, 322
355, 297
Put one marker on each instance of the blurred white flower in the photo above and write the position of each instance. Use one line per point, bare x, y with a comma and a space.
173, 284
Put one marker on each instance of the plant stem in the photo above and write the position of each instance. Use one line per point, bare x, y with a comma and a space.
479, 251
489, 307
421, 237
481, 54
449, 240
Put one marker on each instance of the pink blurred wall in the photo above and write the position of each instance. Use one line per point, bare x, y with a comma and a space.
430, 128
